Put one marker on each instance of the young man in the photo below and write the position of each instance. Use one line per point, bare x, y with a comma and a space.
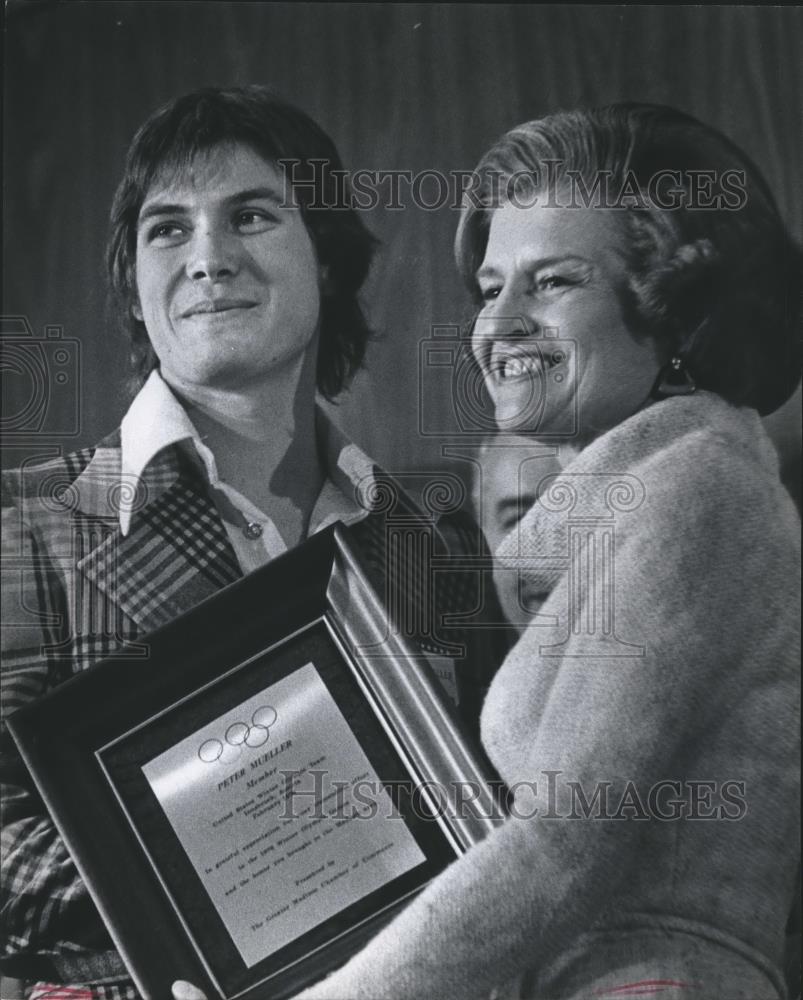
240, 295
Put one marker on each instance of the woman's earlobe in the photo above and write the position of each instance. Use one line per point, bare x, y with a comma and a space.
136, 312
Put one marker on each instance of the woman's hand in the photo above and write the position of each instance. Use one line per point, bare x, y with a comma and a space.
186, 991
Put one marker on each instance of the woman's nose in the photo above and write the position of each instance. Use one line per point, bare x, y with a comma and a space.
509, 316
213, 256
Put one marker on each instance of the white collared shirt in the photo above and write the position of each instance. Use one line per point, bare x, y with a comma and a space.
156, 420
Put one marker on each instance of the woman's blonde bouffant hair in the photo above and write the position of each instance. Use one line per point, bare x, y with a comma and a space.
713, 271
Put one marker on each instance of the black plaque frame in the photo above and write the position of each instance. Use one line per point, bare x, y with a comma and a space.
84, 744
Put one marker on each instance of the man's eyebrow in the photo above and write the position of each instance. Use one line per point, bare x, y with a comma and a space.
516, 503
158, 208
257, 194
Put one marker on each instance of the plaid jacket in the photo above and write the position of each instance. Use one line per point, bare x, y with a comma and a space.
75, 590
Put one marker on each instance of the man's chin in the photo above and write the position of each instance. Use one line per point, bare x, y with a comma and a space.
215, 376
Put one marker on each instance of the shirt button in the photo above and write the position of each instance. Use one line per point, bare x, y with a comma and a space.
253, 530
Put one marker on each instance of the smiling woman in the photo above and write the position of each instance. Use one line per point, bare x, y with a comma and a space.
646, 721
560, 274
709, 273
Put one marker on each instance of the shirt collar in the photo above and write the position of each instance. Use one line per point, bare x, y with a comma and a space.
348, 468
156, 420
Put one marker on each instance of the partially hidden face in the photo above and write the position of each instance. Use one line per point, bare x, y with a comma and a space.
227, 277
510, 473
551, 338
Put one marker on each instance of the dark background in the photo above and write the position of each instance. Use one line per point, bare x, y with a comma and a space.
398, 86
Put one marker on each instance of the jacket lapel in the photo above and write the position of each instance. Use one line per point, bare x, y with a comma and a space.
176, 552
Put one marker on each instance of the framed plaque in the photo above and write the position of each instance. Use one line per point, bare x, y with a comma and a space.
251, 802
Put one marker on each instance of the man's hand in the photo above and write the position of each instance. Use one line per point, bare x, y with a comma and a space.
186, 991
